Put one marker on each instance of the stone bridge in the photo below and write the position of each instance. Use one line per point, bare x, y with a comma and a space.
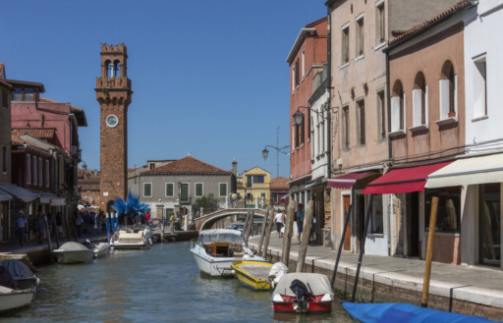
206, 221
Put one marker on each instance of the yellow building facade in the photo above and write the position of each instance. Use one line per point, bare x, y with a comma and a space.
254, 188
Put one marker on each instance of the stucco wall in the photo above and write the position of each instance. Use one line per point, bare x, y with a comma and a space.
481, 38
427, 54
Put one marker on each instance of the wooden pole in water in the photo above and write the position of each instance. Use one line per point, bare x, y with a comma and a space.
287, 237
262, 236
248, 226
341, 245
267, 239
306, 233
362, 246
429, 251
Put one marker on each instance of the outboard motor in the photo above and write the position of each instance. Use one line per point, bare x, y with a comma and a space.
277, 271
302, 295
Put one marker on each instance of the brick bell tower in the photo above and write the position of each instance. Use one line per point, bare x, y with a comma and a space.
113, 92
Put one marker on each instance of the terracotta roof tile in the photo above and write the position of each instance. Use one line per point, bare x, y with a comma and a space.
279, 183
187, 166
44, 133
405, 35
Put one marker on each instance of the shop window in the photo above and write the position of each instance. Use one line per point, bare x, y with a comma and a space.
490, 224
448, 212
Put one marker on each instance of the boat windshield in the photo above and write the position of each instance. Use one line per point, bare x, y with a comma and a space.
232, 238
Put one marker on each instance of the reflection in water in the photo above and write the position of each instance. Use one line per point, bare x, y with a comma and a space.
160, 284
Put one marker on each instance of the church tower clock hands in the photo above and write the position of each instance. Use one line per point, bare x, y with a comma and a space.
113, 92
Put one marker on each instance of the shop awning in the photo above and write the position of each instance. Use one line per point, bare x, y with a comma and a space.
19, 192
469, 171
347, 181
58, 201
46, 198
403, 180
4, 197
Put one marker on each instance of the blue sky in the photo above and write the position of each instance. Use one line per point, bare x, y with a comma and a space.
209, 76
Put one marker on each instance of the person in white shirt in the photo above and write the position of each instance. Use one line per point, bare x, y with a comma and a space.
278, 218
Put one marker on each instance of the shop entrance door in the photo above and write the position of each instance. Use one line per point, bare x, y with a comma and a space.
346, 201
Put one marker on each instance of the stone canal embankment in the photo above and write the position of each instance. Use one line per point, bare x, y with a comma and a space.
459, 288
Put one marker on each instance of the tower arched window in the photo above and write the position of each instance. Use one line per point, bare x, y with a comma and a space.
397, 107
448, 91
109, 69
117, 69
419, 100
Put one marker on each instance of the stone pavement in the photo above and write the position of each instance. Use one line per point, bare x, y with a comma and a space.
468, 283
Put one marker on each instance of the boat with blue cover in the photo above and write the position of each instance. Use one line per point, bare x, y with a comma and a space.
404, 313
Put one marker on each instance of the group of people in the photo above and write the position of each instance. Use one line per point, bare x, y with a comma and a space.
280, 220
42, 225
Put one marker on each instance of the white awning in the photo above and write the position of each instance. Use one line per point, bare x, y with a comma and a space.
46, 198
19, 192
58, 201
468, 171
4, 197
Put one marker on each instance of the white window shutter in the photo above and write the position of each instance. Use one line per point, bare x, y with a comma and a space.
456, 94
444, 98
426, 105
404, 112
417, 103
395, 113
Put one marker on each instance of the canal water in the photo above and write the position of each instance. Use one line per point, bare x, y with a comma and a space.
156, 285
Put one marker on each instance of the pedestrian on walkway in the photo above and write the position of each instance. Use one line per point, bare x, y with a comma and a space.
278, 218
21, 227
40, 225
299, 218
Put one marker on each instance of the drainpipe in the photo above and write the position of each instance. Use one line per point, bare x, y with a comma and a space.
329, 85
390, 154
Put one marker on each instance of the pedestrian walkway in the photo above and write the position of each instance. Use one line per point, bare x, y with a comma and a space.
478, 285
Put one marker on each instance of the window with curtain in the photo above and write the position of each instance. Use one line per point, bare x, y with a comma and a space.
360, 42
345, 127
448, 91
380, 23
360, 110
479, 87
419, 101
345, 45
381, 115
397, 108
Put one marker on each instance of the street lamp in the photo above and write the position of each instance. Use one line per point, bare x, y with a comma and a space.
283, 150
298, 117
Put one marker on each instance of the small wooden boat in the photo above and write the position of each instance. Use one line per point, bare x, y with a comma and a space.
254, 274
73, 252
404, 313
303, 293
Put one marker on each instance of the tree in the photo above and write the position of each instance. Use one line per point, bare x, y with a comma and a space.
208, 203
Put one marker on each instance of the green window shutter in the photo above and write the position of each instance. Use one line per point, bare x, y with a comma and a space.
199, 189
184, 192
169, 189
147, 190
223, 189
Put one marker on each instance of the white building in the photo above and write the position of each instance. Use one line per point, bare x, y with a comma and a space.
480, 171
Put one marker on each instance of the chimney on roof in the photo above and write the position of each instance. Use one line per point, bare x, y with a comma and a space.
235, 167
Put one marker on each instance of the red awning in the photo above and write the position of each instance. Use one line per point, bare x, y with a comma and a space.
347, 181
403, 180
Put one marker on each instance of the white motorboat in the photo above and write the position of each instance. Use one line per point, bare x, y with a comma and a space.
73, 252
11, 299
216, 250
137, 237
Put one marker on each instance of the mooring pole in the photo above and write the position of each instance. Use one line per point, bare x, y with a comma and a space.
306, 233
287, 236
248, 226
264, 229
267, 238
429, 252
341, 246
362, 247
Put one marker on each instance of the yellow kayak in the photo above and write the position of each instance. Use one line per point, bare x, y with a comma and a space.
253, 274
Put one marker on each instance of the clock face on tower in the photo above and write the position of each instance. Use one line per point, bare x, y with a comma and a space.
112, 121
